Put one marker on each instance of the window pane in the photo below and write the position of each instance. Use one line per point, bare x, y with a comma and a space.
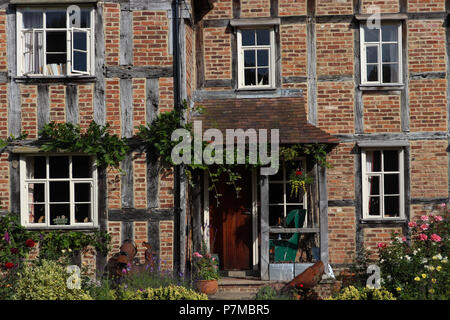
59, 191
56, 42
276, 193
372, 72
85, 18
32, 19
250, 77
389, 33
390, 52
248, 37
82, 192
392, 206
80, 41
390, 73
36, 167
56, 19
391, 184
371, 35
374, 206
263, 37
82, 213
81, 167
374, 185
391, 160
249, 58
372, 54
263, 58
59, 167
79, 61
36, 213
36, 192
373, 159
263, 76
276, 215
59, 214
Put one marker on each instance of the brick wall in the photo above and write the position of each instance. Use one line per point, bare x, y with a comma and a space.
385, 6
85, 105
217, 53
293, 50
374, 236
331, 7
291, 8
381, 113
3, 47
111, 21
426, 6
255, 8
341, 234
57, 95
29, 110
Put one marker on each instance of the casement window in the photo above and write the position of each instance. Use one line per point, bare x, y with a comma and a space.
55, 41
58, 191
383, 183
381, 54
256, 62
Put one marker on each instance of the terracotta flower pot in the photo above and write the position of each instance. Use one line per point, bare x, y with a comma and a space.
207, 286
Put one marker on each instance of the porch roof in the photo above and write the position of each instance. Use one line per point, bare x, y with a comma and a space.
284, 113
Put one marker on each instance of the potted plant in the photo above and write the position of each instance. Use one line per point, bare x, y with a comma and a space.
60, 220
206, 272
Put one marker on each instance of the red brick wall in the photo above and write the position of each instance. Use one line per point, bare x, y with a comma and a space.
293, 50
332, 7
3, 48
111, 21
341, 234
29, 110
4, 182
255, 8
85, 105
341, 178
217, 53
166, 245
139, 104
223, 9
140, 236
291, 8
374, 236
386, 6
140, 180
426, 6
57, 95
381, 113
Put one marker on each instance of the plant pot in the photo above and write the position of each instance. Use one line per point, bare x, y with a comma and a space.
207, 286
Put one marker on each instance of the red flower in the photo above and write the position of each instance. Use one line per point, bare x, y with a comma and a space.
30, 243
9, 265
298, 173
14, 250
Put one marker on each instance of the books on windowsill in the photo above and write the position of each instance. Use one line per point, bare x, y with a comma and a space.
56, 69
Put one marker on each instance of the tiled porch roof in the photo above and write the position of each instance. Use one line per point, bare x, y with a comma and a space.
284, 113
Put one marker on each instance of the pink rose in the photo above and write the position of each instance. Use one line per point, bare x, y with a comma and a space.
404, 239
435, 237
412, 224
424, 218
381, 245
424, 226
423, 237
197, 255
437, 218
443, 205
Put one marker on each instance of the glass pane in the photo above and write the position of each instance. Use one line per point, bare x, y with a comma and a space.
36, 213
373, 159
36, 167
59, 167
56, 19
82, 192
371, 35
372, 54
80, 41
392, 206
374, 206
389, 33
81, 167
263, 58
374, 185
390, 52
390, 73
250, 75
59, 214
32, 20
391, 160
36, 192
263, 37
249, 58
276, 215
59, 191
263, 76
248, 37
372, 72
79, 61
85, 18
82, 213
56, 42
391, 184
276, 193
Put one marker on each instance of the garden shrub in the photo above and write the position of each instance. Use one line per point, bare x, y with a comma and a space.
170, 292
47, 281
353, 293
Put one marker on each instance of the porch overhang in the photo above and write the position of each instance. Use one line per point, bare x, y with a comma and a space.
287, 114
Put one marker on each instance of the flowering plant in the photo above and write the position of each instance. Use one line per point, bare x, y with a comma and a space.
299, 179
205, 265
416, 266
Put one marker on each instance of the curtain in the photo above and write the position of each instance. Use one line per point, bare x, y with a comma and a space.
33, 43
369, 168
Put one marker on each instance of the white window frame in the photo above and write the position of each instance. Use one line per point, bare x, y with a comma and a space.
365, 184
284, 182
70, 72
240, 51
363, 56
24, 181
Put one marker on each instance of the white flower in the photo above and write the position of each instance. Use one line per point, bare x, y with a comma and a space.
382, 260
414, 252
424, 260
444, 260
408, 258
427, 267
70, 250
63, 250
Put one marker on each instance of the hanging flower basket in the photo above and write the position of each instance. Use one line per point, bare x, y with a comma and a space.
299, 179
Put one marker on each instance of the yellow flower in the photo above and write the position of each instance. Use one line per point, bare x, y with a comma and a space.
433, 280
444, 260
438, 268
398, 289
431, 268
431, 291
424, 275
417, 278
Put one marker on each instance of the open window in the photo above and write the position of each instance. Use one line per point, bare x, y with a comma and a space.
55, 41
58, 191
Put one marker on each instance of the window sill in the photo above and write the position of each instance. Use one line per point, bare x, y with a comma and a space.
54, 79
383, 221
48, 228
256, 89
381, 87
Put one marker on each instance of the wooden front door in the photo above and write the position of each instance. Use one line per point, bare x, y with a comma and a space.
231, 223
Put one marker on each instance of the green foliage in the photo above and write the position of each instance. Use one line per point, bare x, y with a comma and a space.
419, 269
353, 293
269, 293
12, 138
67, 137
205, 265
170, 292
47, 281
